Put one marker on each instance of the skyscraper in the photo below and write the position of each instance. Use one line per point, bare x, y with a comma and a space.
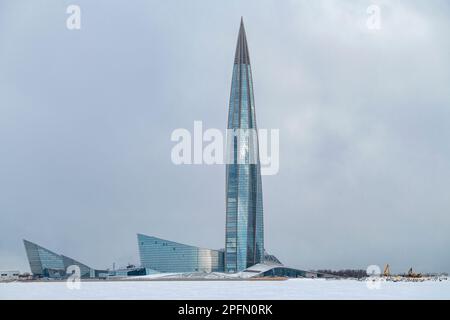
244, 231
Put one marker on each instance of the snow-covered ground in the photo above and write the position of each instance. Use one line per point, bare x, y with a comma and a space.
289, 289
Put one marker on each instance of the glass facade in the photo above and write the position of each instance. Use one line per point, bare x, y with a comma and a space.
244, 231
271, 259
168, 256
85, 271
45, 263
285, 272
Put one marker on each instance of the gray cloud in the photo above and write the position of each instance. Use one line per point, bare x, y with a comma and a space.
86, 118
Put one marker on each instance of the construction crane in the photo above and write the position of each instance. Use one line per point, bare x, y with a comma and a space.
387, 271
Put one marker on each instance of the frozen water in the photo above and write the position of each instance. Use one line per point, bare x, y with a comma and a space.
289, 289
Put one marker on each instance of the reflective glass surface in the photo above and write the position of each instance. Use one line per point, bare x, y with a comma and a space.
244, 244
168, 256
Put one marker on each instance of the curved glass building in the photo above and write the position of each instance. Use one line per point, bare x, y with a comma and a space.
168, 256
244, 231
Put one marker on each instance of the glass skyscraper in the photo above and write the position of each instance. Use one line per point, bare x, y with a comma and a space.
244, 231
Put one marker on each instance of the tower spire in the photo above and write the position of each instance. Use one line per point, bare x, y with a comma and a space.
242, 56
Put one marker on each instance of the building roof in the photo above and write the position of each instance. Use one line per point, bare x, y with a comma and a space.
242, 56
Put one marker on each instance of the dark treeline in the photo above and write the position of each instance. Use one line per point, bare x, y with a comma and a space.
348, 273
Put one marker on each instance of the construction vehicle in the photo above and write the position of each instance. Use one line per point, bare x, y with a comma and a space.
412, 274
409, 276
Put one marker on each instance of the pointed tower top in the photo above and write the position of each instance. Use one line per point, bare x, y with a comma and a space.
242, 56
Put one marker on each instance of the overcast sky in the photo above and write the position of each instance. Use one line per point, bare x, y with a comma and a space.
364, 118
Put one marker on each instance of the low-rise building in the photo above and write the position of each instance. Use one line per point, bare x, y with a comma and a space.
48, 264
9, 276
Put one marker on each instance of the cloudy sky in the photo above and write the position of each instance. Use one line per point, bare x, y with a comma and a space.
364, 118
